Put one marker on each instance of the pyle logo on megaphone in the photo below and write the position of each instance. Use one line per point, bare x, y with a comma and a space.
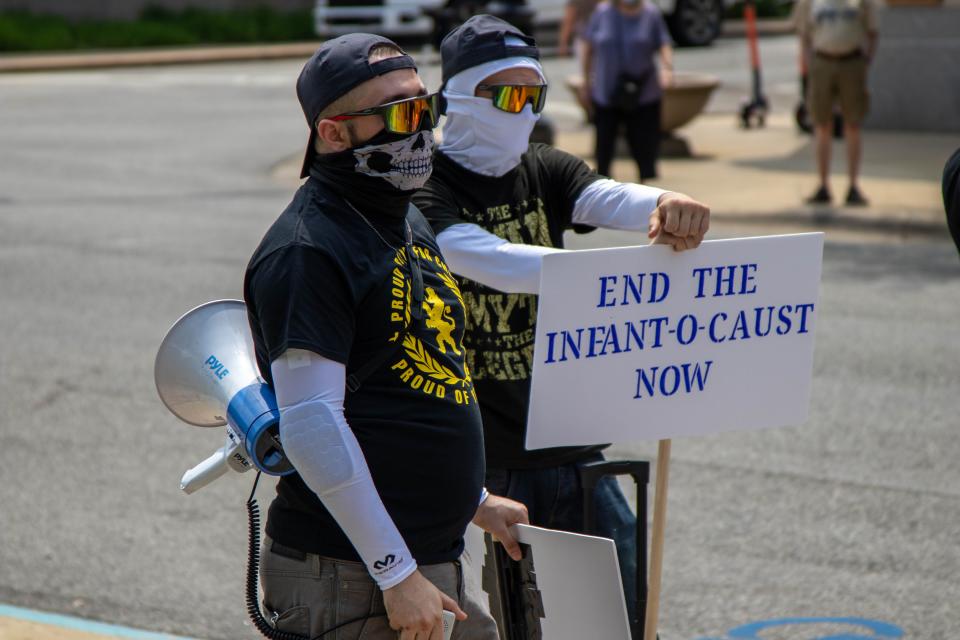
217, 367
206, 375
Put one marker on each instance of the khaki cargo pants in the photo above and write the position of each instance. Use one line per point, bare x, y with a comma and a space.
309, 594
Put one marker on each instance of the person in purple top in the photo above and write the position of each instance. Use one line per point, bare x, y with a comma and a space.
621, 79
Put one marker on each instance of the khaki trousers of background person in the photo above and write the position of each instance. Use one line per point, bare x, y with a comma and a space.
835, 80
311, 595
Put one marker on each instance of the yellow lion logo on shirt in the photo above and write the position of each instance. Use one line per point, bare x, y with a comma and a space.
439, 318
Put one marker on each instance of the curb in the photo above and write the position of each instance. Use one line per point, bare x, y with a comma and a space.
833, 218
765, 27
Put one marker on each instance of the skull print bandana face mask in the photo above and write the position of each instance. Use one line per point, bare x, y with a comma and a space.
382, 174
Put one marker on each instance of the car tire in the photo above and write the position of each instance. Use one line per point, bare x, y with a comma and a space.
696, 23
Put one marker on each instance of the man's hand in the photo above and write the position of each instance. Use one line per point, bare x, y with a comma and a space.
666, 77
415, 608
496, 515
679, 221
584, 97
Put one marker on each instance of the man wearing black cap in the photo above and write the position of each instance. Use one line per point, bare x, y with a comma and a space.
498, 204
357, 324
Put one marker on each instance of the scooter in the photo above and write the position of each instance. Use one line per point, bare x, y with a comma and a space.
754, 110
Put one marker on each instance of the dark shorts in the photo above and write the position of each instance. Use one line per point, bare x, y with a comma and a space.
838, 80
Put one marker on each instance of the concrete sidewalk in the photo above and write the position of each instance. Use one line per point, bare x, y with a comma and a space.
761, 177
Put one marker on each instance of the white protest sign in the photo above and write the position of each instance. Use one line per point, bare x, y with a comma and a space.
642, 343
578, 577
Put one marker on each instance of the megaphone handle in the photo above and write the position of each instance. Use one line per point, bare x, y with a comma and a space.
207, 471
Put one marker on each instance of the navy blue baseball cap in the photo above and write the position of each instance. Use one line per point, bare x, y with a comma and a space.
335, 68
481, 39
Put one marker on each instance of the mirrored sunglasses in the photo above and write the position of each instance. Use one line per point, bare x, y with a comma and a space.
403, 116
513, 97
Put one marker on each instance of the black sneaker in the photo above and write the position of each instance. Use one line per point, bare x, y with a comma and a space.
855, 198
821, 196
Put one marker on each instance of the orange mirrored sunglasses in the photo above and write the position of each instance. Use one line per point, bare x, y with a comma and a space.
513, 97
403, 116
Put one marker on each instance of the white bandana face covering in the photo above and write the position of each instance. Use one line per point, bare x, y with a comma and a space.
476, 134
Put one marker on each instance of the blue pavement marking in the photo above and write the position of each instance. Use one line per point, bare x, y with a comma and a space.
878, 630
81, 624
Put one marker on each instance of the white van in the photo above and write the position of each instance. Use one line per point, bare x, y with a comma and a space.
692, 22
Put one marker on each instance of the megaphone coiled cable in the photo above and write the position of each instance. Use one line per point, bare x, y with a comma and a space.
253, 573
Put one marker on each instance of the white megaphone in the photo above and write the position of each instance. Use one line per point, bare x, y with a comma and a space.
206, 375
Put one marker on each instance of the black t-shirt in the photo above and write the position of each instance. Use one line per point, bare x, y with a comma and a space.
532, 204
323, 280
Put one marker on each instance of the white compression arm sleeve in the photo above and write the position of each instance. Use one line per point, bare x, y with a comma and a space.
473, 252
616, 205
319, 443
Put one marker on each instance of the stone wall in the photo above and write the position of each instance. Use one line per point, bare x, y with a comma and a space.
915, 78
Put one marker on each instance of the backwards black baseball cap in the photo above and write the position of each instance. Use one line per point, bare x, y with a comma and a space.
481, 39
335, 68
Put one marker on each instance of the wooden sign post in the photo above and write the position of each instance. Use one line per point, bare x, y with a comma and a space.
656, 541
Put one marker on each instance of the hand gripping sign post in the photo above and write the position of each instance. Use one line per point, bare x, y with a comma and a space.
643, 343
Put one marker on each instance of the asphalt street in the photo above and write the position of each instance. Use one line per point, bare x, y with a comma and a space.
130, 196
